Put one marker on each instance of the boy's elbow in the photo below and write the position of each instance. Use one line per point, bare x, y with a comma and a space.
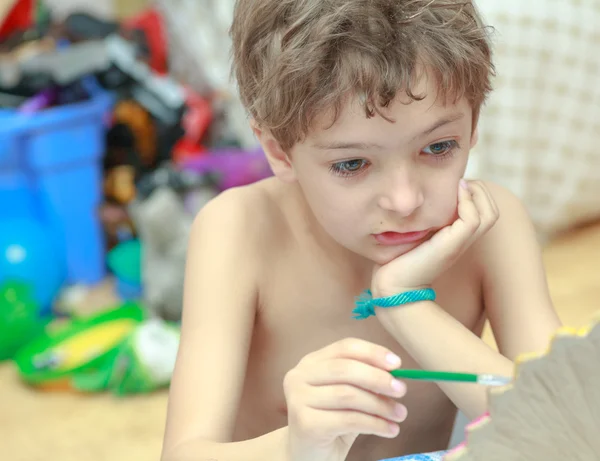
189, 450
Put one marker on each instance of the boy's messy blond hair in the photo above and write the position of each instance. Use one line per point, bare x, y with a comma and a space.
294, 59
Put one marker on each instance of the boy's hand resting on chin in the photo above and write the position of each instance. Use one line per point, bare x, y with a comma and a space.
337, 393
477, 213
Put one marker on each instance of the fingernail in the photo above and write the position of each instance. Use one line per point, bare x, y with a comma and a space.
393, 359
398, 386
464, 184
400, 411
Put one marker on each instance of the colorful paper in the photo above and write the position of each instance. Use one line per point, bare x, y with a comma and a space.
437, 456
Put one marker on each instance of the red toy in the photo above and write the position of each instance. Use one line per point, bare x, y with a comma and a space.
151, 24
20, 17
195, 122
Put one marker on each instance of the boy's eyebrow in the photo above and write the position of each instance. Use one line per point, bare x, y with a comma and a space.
341, 145
442, 122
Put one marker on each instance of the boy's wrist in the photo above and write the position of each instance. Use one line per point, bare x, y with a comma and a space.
367, 302
380, 292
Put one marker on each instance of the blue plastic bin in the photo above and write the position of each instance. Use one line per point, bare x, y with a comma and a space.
51, 170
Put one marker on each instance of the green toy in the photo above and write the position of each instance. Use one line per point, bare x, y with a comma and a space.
143, 363
61, 356
19, 318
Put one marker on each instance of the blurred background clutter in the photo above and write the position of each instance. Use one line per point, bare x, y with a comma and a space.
106, 154
118, 122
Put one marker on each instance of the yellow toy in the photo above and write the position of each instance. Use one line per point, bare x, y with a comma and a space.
57, 358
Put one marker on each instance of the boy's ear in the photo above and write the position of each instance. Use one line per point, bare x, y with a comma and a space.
278, 159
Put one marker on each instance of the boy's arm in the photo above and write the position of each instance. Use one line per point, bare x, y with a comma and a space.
437, 341
516, 300
220, 297
270, 446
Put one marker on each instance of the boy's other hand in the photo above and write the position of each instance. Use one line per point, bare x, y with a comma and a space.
477, 213
339, 392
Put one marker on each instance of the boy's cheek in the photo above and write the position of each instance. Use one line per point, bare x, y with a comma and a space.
449, 212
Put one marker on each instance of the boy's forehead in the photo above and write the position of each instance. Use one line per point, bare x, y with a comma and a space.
405, 111
407, 116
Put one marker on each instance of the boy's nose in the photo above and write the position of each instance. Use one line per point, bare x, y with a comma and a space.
401, 196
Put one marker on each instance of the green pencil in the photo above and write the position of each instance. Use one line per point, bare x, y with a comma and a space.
425, 375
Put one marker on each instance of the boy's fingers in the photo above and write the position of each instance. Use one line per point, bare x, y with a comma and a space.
485, 206
454, 238
357, 374
469, 219
316, 423
451, 241
490, 197
345, 397
361, 350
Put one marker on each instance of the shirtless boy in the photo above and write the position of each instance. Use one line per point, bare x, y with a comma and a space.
366, 110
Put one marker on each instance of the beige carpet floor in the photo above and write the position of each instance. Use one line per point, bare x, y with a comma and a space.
37, 426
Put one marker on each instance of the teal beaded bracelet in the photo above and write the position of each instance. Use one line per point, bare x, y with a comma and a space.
365, 304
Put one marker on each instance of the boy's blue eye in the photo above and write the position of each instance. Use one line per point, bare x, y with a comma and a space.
351, 165
441, 148
348, 167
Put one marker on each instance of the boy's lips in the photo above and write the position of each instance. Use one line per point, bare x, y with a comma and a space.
397, 238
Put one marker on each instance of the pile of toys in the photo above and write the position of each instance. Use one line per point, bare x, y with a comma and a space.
95, 135
105, 158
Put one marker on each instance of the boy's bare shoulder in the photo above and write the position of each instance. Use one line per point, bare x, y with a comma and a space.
503, 197
247, 214
513, 224
511, 248
512, 212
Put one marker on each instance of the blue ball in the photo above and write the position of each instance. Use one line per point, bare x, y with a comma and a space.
28, 253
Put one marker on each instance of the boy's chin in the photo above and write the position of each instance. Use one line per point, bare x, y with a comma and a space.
382, 255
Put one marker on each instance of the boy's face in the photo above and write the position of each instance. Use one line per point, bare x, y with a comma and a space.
369, 182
